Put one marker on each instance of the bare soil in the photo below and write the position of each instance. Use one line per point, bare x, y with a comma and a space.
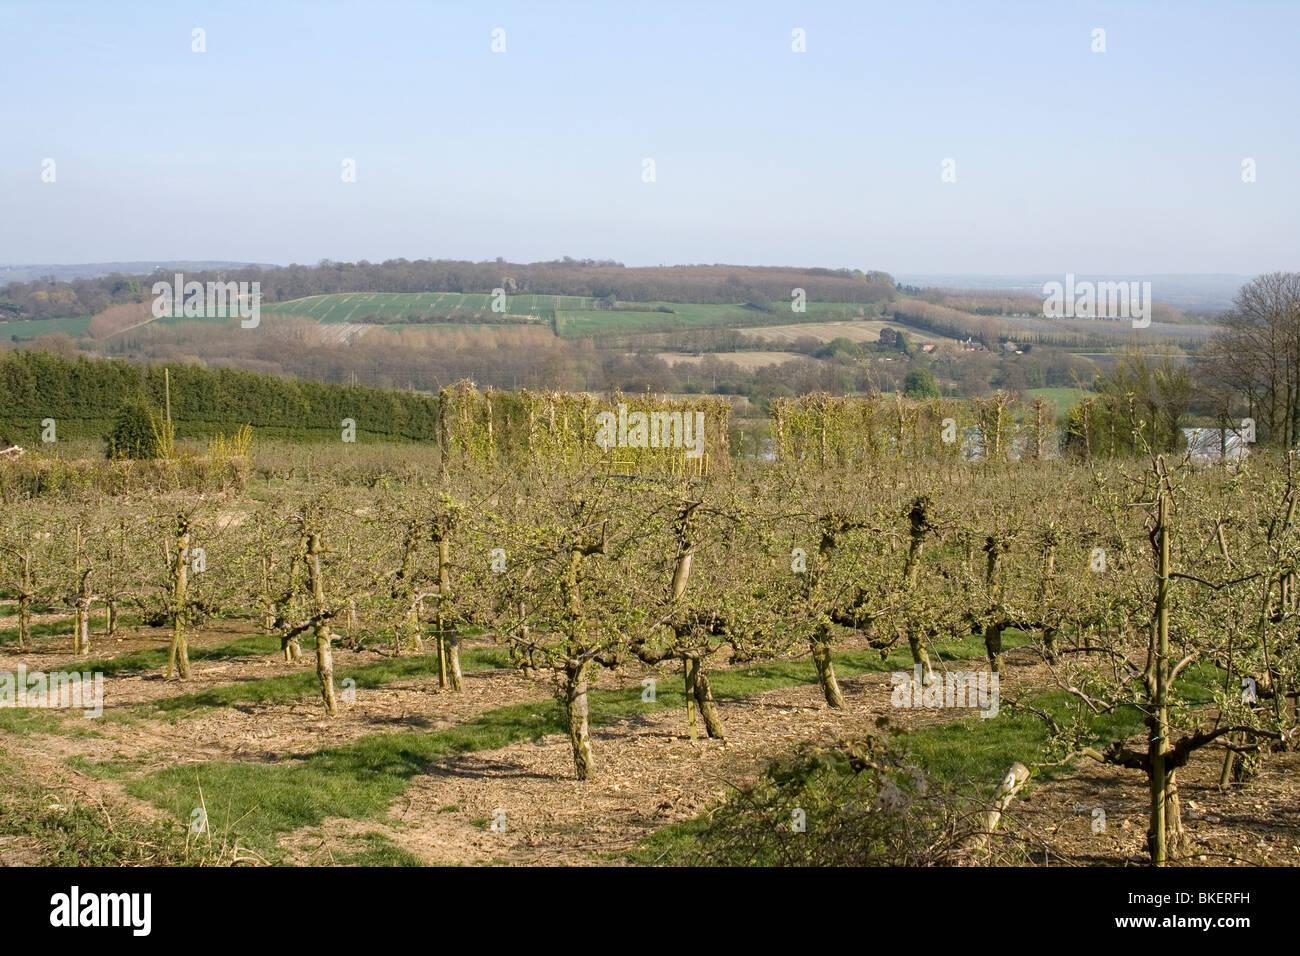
648, 773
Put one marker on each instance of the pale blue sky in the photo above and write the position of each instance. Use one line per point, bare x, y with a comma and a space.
1127, 161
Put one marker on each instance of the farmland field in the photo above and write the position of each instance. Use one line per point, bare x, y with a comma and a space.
861, 331
349, 306
30, 329
747, 360
576, 316
684, 316
1062, 398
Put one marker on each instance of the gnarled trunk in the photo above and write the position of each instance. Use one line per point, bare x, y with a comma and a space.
708, 709
324, 656
993, 645
821, 654
690, 670
577, 713
919, 521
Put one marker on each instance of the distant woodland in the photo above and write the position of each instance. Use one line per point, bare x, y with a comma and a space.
709, 284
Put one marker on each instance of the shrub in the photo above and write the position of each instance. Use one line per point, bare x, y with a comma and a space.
138, 432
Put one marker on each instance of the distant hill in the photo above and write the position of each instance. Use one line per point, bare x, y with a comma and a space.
93, 270
587, 279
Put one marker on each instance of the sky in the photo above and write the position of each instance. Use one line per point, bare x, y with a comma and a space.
1063, 159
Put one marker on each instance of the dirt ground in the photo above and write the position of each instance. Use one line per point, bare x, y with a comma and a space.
648, 773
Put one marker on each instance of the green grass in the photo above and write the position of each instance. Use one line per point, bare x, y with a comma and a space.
75, 325
1063, 398
104, 769
70, 833
357, 781
375, 849
290, 687
360, 780
258, 645
9, 635
22, 721
973, 753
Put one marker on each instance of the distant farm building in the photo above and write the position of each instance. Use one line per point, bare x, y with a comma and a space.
1215, 444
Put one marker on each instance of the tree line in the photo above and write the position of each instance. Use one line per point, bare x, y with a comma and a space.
81, 395
707, 284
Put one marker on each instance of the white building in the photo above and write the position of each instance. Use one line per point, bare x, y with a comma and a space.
1214, 444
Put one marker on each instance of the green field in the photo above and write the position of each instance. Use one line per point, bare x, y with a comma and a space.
576, 316
352, 306
75, 326
1063, 397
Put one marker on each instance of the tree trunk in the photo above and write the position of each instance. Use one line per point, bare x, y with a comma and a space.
24, 616
524, 650
1015, 778
920, 656
690, 670
81, 640
325, 667
268, 604
448, 643
179, 653
453, 663
993, 645
918, 518
995, 548
577, 712
1046, 594
416, 627
81, 634
324, 656
708, 709
1165, 835
821, 654
1229, 765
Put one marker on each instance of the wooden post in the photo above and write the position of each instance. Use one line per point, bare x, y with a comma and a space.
1007, 790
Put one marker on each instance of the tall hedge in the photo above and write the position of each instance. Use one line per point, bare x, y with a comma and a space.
83, 395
